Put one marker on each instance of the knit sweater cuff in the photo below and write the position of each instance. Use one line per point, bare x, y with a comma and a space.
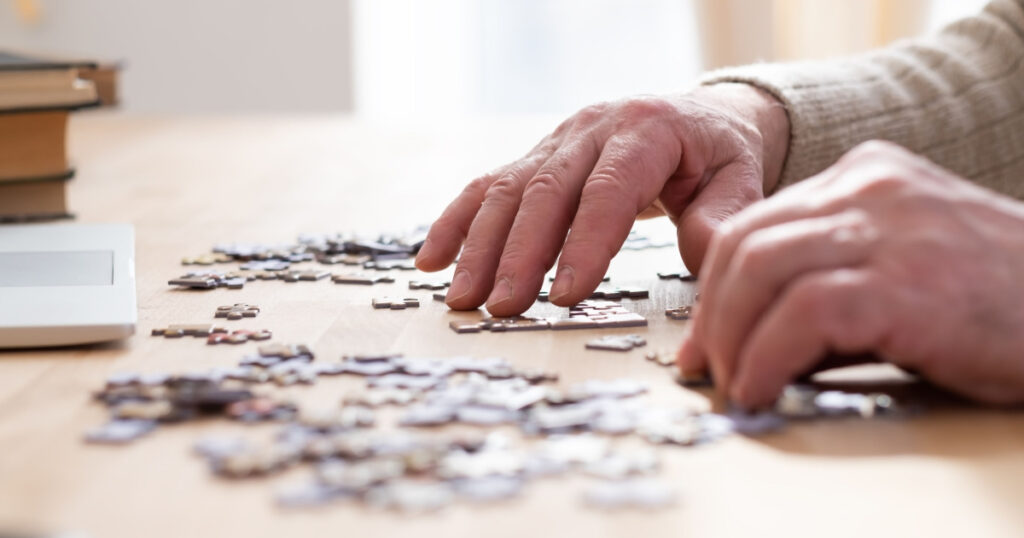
955, 97
812, 93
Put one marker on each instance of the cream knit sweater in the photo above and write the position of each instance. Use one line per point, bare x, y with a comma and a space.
956, 97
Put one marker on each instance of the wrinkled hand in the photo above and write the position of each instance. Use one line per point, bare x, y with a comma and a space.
700, 157
884, 252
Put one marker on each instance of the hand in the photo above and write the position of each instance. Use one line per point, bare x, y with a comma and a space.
700, 157
884, 252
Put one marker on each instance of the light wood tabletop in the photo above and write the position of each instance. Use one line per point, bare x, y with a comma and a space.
187, 183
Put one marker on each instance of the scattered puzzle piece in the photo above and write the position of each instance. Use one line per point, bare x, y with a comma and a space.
613, 294
395, 304
381, 397
206, 280
363, 279
516, 323
620, 293
261, 408
440, 296
421, 285
207, 259
237, 337
685, 276
237, 311
265, 265
259, 275
196, 280
679, 312
617, 343
309, 275
661, 357
285, 351
386, 265
344, 259
196, 330
120, 431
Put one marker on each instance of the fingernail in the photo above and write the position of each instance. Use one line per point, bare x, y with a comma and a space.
461, 283
501, 293
563, 282
423, 248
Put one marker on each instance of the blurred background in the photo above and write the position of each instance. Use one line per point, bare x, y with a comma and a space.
442, 58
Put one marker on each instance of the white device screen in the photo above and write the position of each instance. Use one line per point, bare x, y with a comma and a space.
64, 268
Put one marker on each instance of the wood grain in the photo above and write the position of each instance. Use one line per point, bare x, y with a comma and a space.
187, 183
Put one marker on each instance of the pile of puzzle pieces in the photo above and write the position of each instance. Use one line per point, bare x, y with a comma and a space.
379, 446
353, 459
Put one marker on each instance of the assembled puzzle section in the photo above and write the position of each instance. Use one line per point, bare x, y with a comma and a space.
585, 315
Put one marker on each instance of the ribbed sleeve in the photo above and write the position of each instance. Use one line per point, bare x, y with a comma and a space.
956, 97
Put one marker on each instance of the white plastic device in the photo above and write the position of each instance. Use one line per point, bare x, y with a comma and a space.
66, 284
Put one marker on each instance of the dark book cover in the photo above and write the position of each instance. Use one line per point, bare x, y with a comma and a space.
65, 176
13, 61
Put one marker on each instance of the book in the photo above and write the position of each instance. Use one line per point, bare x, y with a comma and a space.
32, 144
37, 94
104, 76
30, 83
34, 199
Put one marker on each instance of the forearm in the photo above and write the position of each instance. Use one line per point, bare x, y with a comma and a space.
956, 97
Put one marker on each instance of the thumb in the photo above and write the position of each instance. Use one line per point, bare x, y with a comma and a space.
730, 190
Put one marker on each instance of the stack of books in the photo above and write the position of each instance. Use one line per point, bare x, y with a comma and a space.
36, 97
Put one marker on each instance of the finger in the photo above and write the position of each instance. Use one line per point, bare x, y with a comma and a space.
733, 188
626, 179
548, 204
794, 203
446, 234
764, 263
843, 311
690, 358
474, 275
816, 196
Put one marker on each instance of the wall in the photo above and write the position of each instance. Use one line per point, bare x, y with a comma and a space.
442, 58
201, 55
736, 32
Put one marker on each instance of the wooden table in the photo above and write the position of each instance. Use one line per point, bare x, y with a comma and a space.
187, 183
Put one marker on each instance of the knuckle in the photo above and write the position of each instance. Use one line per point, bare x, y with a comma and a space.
606, 185
856, 228
591, 113
544, 184
754, 255
847, 321
725, 231
645, 107
810, 298
874, 149
884, 183
481, 183
503, 190
473, 253
628, 152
